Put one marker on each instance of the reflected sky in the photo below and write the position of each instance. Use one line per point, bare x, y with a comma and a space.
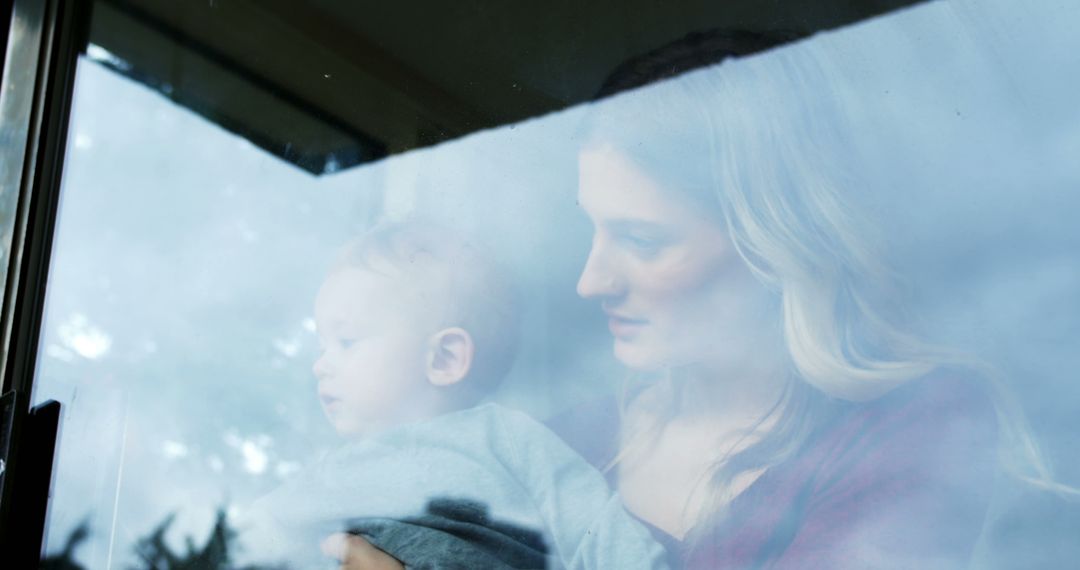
179, 331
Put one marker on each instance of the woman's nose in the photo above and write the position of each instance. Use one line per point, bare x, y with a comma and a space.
600, 277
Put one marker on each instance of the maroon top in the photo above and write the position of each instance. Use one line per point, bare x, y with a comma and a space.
900, 482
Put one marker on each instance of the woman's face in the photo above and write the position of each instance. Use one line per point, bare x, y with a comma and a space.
665, 272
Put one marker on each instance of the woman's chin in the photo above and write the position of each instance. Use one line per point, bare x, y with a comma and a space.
637, 357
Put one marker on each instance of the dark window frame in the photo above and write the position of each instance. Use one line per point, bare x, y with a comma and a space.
43, 41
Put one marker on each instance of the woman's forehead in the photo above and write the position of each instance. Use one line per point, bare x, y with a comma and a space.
614, 188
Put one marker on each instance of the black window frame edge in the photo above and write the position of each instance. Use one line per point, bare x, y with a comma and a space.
60, 27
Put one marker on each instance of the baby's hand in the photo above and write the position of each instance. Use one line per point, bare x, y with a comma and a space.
355, 553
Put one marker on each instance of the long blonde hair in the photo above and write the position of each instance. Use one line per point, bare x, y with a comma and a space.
775, 164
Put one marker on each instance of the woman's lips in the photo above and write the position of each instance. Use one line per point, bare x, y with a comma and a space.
623, 327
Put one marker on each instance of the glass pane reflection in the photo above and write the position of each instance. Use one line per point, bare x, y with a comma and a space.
661, 329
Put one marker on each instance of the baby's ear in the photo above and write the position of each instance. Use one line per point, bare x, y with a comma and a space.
450, 356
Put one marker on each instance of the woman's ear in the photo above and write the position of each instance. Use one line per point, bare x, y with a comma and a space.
450, 356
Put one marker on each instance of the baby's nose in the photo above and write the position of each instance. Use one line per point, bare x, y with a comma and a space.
321, 367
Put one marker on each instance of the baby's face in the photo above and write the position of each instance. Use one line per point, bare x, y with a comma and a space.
371, 371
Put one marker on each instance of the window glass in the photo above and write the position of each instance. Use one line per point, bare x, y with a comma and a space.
21, 37
603, 298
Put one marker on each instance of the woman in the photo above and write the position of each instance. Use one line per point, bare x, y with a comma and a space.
779, 416
785, 420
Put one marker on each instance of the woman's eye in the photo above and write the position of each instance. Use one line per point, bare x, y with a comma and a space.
346, 342
643, 245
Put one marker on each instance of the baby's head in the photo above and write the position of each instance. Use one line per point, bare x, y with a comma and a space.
413, 321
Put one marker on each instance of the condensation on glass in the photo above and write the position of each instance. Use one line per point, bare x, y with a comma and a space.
401, 272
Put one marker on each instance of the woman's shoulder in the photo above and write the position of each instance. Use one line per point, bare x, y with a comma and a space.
926, 452
947, 411
913, 469
933, 409
961, 389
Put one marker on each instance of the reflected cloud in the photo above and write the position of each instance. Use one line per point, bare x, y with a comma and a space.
284, 469
83, 141
84, 338
174, 450
288, 348
255, 458
253, 451
59, 353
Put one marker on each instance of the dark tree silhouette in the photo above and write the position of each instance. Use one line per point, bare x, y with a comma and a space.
154, 552
65, 560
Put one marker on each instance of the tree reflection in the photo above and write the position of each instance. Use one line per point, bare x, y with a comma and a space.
65, 560
154, 553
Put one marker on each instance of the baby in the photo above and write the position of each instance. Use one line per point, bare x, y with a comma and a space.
416, 327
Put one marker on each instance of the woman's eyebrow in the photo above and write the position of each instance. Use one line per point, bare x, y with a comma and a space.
635, 226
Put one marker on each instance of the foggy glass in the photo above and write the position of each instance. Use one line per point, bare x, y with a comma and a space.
181, 329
